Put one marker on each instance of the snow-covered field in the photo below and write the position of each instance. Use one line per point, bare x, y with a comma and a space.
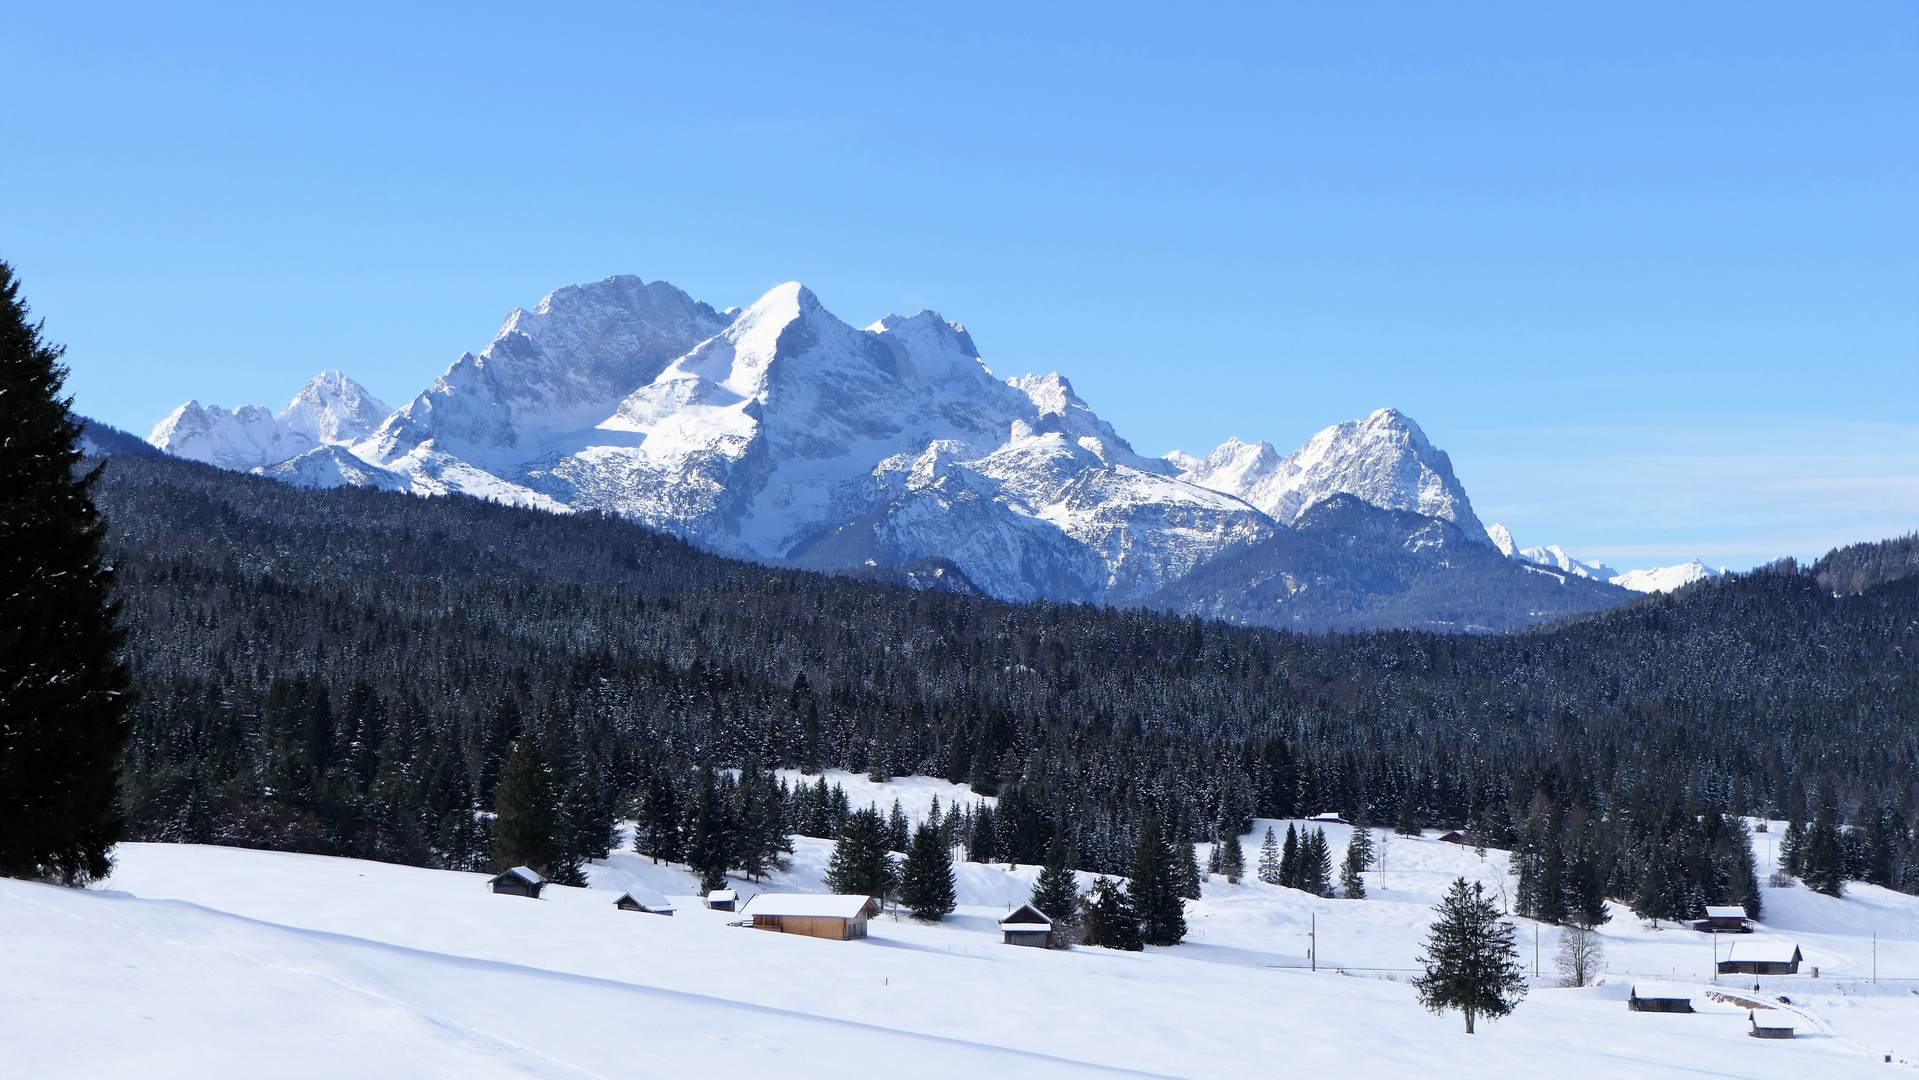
216, 962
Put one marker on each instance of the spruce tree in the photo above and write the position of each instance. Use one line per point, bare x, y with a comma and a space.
1289, 860
1055, 892
926, 879
1408, 817
709, 835
526, 813
1232, 859
1470, 961
1823, 865
1269, 862
1155, 889
1108, 917
1186, 877
1359, 856
63, 690
1316, 865
657, 833
861, 865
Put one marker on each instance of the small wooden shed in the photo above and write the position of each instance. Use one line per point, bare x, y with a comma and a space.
1761, 958
640, 900
722, 900
1028, 926
1726, 920
1453, 837
1654, 997
835, 916
519, 881
1329, 819
1770, 1024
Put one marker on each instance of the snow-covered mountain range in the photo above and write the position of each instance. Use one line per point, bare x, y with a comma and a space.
779, 433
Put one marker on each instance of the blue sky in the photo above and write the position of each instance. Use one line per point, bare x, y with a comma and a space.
1649, 272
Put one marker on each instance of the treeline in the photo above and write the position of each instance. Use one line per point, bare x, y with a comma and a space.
347, 672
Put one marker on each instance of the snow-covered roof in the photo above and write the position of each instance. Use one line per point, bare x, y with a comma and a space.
651, 901
1026, 917
524, 873
1327, 817
816, 905
1717, 912
1763, 952
1661, 991
1771, 1018
722, 895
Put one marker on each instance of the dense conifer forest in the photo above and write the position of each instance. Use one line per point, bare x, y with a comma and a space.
350, 671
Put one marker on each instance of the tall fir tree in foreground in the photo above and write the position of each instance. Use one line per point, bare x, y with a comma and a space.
862, 864
1470, 961
1055, 892
1269, 864
926, 878
1289, 859
1316, 864
1155, 889
526, 822
63, 690
1108, 917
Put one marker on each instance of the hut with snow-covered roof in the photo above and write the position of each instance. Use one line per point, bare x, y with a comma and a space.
1770, 1023
1659, 997
722, 899
835, 916
1028, 926
641, 900
519, 881
1726, 920
1761, 958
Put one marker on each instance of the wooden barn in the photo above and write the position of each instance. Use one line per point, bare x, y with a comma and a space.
836, 917
1028, 926
1726, 920
519, 881
1770, 1024
722, 900
1454, 837
1761, 958
640, 900
1329, 819
1654, 997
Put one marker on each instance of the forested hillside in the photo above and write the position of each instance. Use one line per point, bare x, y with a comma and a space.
344, 670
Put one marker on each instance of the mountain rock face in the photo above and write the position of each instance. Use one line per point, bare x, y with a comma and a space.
1666, 578
330, 410
1658, 579
781, 434
1384, 459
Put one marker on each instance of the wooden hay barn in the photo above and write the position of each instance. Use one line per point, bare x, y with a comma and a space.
1329, 819
651, 903
722, 899
1761, 958
1028, 926
833, 916
519, 881
1656, 998
1453, 838
1770, 1024
1726, 920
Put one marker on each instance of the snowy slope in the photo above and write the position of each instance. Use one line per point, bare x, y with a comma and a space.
224, 962
1667, 578
1658, 579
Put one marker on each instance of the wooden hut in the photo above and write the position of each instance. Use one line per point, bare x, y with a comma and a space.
640, 900
837, 917
1329, 819
1770, 1023
1726, 920
519, 881
1454, 837
1761, 958
1028, 926
1654, 997
722, 900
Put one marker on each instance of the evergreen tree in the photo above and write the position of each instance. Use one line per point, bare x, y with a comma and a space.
898, 830
1822, 866
1108, 917
1289, 860
526, 813
1359, 856
657, 832
1186, 879
1470, 961
1270, 868
1408, 816
926, 879
861, 864
1316, 865
1155, 889
1055, 892
63, 690
709, 835
1232, 858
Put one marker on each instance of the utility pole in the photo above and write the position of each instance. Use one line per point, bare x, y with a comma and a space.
1312, 943
1535, 950
1715, 957
1875, 957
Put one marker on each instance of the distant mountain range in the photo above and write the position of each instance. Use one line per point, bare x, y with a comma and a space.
781, 434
